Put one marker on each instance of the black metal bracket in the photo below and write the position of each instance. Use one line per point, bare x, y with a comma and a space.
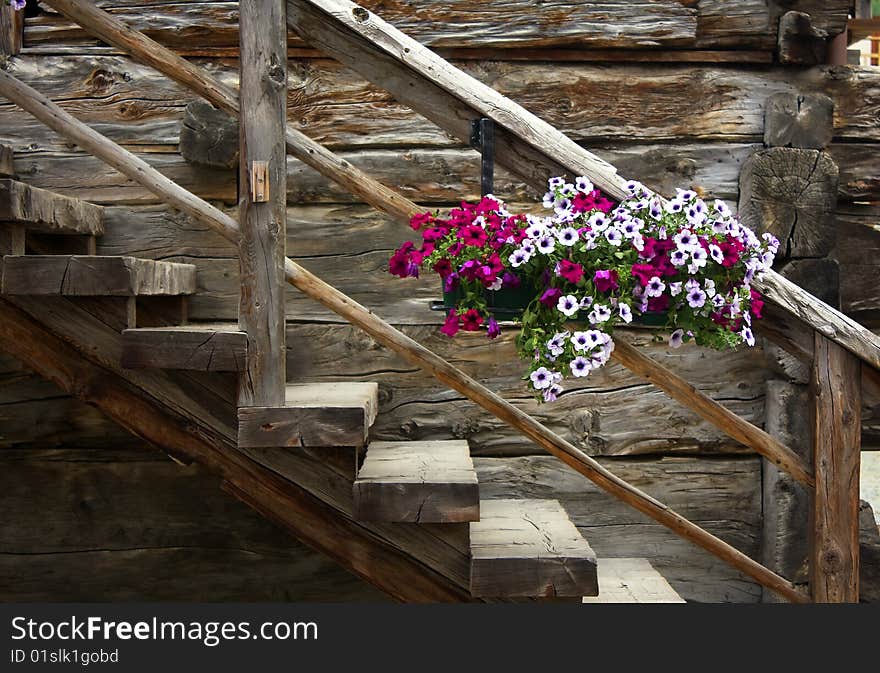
483, 139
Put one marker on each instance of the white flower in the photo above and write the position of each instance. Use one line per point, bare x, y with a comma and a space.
698, 260
518, 258
696, 298
580, 341
686, 194
655, 209
555, 183
678, 257
613, 236
674, 206
552, 393
541, 378
721, 208
583, 184
568, 305
567, 236
716, 253
598, 221
494, 287
586, 302
686, 240
590, 240
536, 230
675, 289
625, 312
748, 336
676, 338
599, 314
655, 287
709, 287
580, 366
546, 244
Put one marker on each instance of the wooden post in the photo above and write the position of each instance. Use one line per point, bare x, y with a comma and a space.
834, 571
262, 200
11, 29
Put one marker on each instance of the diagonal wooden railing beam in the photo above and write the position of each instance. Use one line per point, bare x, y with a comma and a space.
524, 144
145, 50
141, 172
142, 48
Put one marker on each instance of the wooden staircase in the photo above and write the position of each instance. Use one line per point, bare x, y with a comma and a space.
284, 467
517, 549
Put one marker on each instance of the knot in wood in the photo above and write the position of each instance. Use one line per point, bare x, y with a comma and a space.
360, 14
831, 558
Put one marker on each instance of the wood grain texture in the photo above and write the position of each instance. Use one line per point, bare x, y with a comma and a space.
206, 27
314, 415
46, 212
6, 168
529, 548
722, 494
792, 193
11, 30
262, 239
120, 524
418, 482
77, 275
799, 121
741, 430
631, 580
209, 348
834, 576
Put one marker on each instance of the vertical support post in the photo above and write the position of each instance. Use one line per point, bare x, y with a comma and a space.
836, 384
262, 199
483, 139
11, 29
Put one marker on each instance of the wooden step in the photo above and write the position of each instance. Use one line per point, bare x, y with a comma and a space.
202, 347
43, 211
417, 482
88, 276
529, 548
632, 580
314, 415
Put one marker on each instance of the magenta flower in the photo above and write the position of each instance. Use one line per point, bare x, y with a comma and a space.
450, 327
643, 272
492, 328
571, 271
605, 280
473, 235
551, 297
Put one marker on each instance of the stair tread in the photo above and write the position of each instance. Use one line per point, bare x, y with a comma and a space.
529, 548
314, 415
215, 347
44, 211
419, 482
632, 580
88, 275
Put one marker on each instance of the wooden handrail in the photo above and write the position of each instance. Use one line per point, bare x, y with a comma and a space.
526, 145
141, 48
147, 51
138, 170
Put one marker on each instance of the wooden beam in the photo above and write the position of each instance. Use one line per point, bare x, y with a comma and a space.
207, 348
7, 169
316, 523
526, 145
11, 30
735, 426
137, 45
529, 548
87, 276
170, 192
47, 212
417, 482
834, 576
262, 200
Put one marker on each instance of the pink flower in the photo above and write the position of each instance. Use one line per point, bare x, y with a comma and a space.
571, 271
443, 267
550, 297
605, 280
450, 327
401, 262
471, 320
419, 220
472, 235
643, 272
757, 304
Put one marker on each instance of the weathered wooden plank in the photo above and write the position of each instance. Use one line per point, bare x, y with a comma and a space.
369, 553
206, 26
529, 548
46, 212
262, 216
6, 168
631, 580
836, 387
418, 482
209, 348
723, 494
314, 415
75, 275
11, 30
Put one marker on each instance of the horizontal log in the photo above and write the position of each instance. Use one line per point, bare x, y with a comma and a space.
132, 525
135, 105
42, 211
205, 26
210, 348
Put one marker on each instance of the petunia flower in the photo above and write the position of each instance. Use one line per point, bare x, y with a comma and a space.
568, 305
450, 327
492, 328
605, 280
541, 378
676, 338
570, 271
580, 366
550, 297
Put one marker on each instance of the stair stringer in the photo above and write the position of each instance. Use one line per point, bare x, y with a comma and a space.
74, 349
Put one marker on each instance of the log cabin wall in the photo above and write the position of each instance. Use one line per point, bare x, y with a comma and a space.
672, 92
